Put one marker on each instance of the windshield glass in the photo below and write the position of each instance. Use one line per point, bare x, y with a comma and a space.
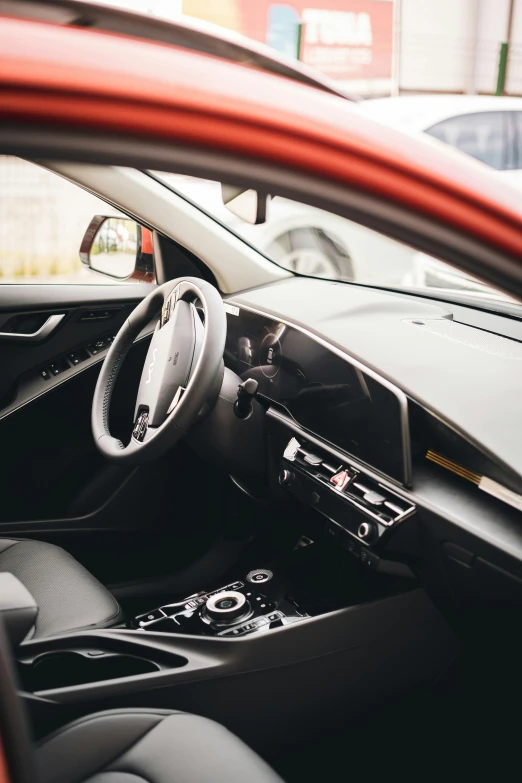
317, 243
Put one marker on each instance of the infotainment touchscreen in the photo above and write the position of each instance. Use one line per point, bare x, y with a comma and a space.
323, 391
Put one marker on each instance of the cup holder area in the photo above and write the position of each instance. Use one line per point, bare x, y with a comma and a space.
66, 668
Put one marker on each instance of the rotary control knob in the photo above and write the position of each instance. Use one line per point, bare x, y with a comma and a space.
226, 607
286, 477
367, 531
259, 576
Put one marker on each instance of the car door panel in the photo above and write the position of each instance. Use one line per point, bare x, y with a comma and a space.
121, 523
86, 317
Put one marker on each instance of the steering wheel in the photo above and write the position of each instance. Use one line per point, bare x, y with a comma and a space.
182, 374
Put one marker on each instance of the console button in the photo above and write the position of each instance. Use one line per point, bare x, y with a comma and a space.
259, 576
45, 374
98, 346
341, 479
286, 477
232, 632
75, 357
57, 367
367, 531
274, 616
235, 586
156, 614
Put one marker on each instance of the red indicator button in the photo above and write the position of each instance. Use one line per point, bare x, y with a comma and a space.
341, 479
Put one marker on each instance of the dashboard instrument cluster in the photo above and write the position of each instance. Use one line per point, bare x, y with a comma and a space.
324, 390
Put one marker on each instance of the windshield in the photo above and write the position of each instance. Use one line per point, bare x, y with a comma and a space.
317, 243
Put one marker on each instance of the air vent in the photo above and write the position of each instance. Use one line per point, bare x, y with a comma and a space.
347, 482
378, 501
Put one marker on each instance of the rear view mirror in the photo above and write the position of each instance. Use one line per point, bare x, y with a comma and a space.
117, 247
249, 205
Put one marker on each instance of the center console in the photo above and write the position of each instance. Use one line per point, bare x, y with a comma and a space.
253, 605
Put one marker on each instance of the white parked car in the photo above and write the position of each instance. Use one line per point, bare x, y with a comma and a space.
487, 127
320, 244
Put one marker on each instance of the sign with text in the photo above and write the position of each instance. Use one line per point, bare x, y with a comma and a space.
344, 39
346, 44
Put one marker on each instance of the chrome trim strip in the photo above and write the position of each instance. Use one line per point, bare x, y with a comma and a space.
401, 397
44, 331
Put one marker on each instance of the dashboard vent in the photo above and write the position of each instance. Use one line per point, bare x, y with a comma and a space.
378, 501
350, 483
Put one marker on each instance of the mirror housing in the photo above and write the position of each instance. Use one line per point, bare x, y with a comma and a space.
249, 205
118, 247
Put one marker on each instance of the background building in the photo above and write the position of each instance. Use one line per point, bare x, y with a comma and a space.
371, 47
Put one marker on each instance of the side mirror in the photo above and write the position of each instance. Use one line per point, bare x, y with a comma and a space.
249, 205
117, 247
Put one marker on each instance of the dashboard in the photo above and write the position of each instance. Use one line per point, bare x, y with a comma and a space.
325, 391
447, 360
412, 402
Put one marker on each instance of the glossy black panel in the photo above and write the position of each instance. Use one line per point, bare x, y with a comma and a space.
324, 392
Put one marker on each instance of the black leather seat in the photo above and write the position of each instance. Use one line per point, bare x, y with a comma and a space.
121, 746
68, 596
152, 746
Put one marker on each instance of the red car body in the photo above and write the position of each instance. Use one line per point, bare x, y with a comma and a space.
58, 76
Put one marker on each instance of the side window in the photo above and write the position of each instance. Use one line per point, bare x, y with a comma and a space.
483, 136
43, 219
517, 117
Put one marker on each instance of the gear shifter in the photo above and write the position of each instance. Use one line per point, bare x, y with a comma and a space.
227, 607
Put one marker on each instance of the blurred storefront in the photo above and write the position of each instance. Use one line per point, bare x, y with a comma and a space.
350, 41
377, 47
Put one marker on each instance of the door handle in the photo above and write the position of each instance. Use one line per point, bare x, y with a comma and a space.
33, 337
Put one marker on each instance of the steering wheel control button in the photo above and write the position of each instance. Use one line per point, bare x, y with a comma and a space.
270, 356
341, 480
259, 576
166, 311
140, 428
228, 606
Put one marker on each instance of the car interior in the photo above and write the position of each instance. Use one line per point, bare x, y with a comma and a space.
256, 525
286, 509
